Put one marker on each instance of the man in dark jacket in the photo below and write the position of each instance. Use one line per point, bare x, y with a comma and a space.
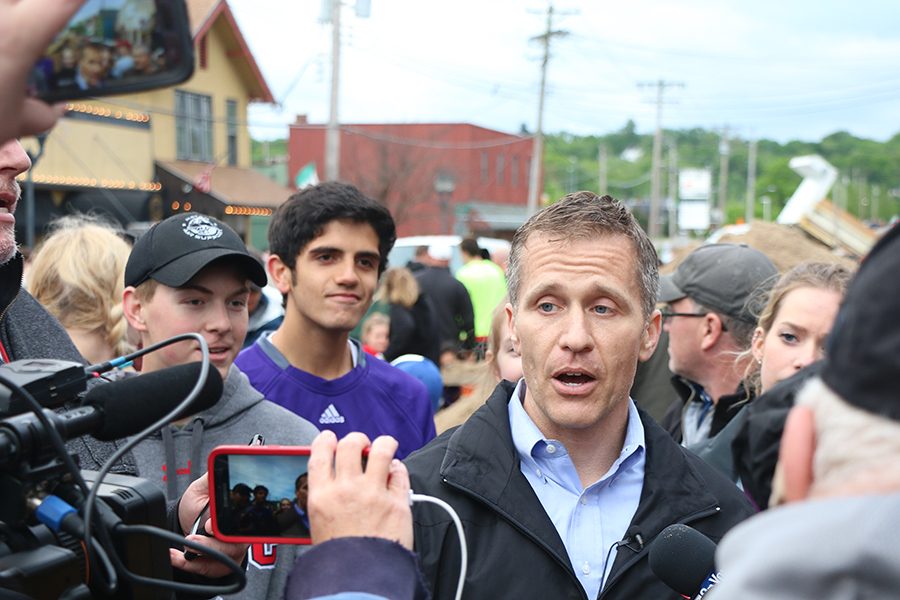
711, 306
560, 482
449, 298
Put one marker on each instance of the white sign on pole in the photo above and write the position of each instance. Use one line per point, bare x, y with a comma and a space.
694, 184
693, 215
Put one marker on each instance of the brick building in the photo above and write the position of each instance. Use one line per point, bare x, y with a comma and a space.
435, 177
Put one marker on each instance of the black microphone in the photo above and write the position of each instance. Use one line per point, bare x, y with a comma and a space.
633, 539
110, 411
684, 559
130, 405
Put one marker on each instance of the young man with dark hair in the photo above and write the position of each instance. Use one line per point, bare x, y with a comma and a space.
191, 274
329, 244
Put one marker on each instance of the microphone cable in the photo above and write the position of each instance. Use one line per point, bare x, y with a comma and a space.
90, 502
463, 550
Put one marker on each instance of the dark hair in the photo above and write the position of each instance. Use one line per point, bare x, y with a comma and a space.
305, 214
261, 487
585, 216
242, 488
300, 477
470, 246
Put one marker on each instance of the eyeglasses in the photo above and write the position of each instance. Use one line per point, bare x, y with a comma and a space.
668, 314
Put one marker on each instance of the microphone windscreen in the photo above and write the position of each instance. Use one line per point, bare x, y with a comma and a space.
131, 405
683, 558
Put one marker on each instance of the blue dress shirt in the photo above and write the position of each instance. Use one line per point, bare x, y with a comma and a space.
589, 520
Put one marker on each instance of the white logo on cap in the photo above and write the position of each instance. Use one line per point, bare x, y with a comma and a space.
201, 227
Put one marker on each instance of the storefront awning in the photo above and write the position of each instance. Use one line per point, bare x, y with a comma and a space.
232, 186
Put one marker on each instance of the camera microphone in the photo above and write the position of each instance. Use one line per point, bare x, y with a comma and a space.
684, 559
111, 411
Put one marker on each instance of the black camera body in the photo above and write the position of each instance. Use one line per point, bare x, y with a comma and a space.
39, 563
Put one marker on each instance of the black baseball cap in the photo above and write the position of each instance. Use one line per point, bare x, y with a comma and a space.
722, 277
176, 249
862, 356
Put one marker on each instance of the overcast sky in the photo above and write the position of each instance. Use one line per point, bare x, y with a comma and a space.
779, 69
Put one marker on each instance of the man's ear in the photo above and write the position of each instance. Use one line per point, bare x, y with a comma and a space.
280, 273
650, 338
798, 445
713, 329
133, 308
511, 324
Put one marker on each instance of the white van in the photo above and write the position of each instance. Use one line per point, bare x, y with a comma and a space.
405, 248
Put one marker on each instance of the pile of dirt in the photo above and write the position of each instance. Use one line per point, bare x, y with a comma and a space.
785, 245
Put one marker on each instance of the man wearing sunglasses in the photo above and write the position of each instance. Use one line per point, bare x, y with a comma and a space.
709, 316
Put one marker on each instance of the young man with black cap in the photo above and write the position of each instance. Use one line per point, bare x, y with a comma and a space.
191, 273
839, 468
709, 316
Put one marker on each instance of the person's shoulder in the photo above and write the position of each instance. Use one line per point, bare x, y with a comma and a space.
424, 464
684, 468
288, 426
384, 374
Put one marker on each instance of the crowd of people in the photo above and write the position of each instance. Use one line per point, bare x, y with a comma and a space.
782, 435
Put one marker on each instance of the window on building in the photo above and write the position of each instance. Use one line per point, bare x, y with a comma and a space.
501, 166
514, 172
231, 112
485, 168
193, 126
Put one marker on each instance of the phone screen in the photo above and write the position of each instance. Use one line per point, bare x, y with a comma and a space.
261, 496
115, 47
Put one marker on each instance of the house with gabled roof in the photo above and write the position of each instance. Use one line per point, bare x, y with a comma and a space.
142, 157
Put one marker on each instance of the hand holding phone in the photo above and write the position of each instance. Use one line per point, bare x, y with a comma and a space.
347, 500
26, 27
195, 497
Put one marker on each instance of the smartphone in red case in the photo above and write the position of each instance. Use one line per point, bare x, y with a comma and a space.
258, 494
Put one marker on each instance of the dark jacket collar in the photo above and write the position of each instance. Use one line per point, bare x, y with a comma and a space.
726, 407
10, 281
482, 460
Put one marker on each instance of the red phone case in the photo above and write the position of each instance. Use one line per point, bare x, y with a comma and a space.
213, 505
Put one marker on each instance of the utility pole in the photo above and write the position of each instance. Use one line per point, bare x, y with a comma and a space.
655, 174
603, 170
333, 133
537, 150
724, 152
750, 208
673, 189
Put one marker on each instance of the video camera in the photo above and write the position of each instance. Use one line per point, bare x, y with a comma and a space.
56, 540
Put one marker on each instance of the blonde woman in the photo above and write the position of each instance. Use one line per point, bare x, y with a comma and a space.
790, 335
77, 274
413, 327
795, 322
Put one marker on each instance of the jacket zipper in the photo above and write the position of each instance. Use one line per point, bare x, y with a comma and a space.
566, 567
707, 512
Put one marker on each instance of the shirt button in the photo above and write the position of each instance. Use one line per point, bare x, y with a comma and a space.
551, 449
583, 502
538, 473
586, 568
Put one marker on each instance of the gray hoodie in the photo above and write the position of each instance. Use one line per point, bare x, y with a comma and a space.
176, 456
841, 548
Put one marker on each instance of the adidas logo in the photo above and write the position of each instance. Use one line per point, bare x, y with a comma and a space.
331, 416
